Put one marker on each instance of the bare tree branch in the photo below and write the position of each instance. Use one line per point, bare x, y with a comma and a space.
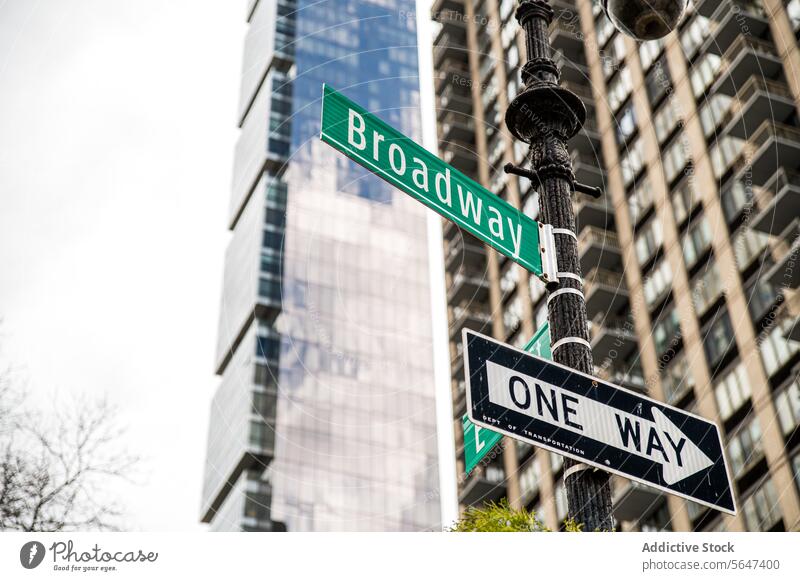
55, 474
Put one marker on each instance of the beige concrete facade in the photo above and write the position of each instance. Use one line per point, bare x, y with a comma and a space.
695, 142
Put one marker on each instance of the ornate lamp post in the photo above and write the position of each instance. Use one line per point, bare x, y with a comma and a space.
546, 116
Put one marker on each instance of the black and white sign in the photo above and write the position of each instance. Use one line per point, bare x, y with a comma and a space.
595, 422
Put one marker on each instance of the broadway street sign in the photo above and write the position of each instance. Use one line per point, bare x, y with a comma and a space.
595, 422
389, 154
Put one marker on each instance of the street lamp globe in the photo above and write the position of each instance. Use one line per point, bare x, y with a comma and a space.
645, 19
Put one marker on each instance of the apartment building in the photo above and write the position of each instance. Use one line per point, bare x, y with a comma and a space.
690, 257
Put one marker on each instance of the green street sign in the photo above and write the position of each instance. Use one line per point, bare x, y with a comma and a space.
478, 441
540, 343
389, 154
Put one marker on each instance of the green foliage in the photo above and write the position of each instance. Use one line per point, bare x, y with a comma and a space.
501, 518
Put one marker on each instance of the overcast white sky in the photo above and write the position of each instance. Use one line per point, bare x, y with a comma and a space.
117, 127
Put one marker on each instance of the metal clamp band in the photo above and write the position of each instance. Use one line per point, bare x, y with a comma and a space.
567, 340
564, 291
571, 275
565, 231
575, 469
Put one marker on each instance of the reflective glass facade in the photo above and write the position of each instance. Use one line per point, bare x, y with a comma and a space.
325, 416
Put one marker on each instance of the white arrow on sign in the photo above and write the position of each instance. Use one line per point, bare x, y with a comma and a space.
658, 440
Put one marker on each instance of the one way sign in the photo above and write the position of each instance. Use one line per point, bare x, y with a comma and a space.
595, 422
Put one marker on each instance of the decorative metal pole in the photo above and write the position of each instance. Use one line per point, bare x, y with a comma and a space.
546, 116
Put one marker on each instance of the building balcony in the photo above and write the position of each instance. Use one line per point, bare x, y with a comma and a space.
455, 126
565, 32
605, 292
453, 72
792, 310
756, 100
484, 485
746, 57
593, 212
632, 378
587, 169
472, 318
611, 338
779, 202
468, 288
581, 88
587, 140
705, 7
572, 71
731, 18
450, 45
772, 145
460, 154
598, 248
786, 272
465, 252
451, 18
454, 98
634, 501
440, 7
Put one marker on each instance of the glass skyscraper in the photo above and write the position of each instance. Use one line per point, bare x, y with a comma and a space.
325, 415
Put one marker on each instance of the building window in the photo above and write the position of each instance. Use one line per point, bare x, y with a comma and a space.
604, 28
649, 51
684, 200
761, 511
665, 121
793, 10
723, 153
508, 281
265, 405
626, 124
659, 520
619, 88
612, 57
512, 315
787, 404
676, 379
529, 478
775, 349
707, 288
632, 162
704, 73
648, 241
748, 245
718, 339
657, 282
713, 112
641, 199
694, 35
745, 448
675, 158
761, 297
696, 242
735, 196
732, 391
658, 81
667, 332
